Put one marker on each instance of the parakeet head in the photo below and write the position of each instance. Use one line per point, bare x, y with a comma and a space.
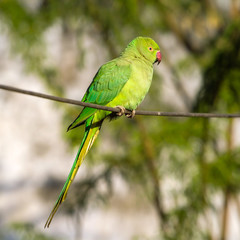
147, 48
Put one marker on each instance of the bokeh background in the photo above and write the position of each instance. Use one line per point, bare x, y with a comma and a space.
145, 178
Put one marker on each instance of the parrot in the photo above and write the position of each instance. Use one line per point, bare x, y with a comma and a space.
122, 82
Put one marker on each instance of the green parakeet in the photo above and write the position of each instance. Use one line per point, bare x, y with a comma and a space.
124, 82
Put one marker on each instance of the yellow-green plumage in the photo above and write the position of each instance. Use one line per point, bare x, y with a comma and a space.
124, 82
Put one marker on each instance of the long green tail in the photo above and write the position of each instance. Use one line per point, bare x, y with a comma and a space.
91, 131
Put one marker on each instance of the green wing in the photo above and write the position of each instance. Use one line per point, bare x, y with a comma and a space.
107, 83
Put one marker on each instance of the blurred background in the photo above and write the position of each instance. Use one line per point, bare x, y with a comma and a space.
145, 178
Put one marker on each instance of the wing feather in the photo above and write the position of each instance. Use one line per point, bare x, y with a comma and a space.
107, 83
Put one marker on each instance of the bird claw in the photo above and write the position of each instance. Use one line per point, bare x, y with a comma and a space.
131, 115
122, 110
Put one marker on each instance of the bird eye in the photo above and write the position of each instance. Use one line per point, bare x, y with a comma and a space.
150, 48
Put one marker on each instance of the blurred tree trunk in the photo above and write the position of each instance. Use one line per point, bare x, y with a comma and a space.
151, 157
227, 192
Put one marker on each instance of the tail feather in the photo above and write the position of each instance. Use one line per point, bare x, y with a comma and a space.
91, 133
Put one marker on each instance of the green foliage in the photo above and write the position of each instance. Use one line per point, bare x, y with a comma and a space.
223, 172
24, 31
221, 71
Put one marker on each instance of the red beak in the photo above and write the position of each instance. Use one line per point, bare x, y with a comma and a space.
158, 57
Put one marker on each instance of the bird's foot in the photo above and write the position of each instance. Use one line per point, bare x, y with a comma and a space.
122, 110
131, 115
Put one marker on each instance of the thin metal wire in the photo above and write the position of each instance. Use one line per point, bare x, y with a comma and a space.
116, 110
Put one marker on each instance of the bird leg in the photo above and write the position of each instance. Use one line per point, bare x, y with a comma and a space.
131, 115
122, 110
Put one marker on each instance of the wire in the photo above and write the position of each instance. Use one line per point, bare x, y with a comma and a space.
117, 110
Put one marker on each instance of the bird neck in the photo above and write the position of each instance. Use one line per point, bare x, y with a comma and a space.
132, 53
